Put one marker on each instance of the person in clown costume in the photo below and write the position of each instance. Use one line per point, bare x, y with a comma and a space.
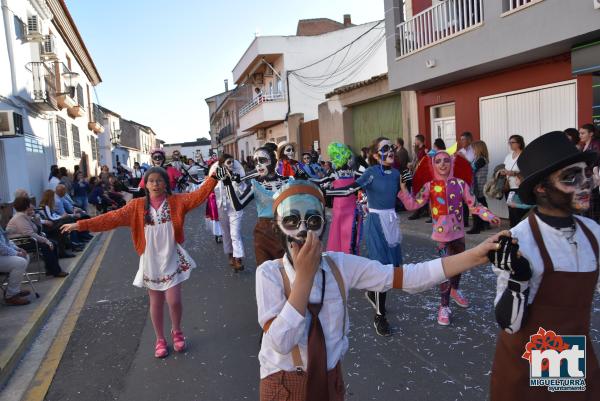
442, 181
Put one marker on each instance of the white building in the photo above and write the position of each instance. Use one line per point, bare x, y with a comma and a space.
290, 75
192, 150
46, 80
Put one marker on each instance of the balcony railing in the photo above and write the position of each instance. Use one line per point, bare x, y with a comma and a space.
514, 5
225, 131
44, 83
438, 23
260, 99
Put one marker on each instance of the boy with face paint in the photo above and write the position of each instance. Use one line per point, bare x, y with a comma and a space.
548, 271
439, 181
263, 184
302, 297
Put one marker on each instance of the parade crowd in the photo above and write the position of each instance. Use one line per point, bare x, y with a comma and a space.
546, 264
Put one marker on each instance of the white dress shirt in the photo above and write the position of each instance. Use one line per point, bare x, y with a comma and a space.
574, 256
290, 328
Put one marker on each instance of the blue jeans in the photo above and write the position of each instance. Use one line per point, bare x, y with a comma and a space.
82, 202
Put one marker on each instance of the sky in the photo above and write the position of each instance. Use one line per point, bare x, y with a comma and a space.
160, 59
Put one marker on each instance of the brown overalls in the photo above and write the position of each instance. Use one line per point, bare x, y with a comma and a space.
562, 304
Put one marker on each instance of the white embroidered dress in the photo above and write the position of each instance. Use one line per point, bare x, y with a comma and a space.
164, 262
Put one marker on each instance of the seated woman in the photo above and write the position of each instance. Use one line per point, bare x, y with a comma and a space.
48, 206
99, 198
22, 223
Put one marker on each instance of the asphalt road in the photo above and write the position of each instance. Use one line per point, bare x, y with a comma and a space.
110, 353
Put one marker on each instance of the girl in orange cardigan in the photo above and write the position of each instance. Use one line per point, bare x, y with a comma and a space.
156, 224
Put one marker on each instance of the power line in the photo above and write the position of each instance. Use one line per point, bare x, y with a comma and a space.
339, 50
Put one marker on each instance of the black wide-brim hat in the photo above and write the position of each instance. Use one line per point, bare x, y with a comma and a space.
545, 155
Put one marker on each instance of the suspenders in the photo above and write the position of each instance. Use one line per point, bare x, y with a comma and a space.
297, 359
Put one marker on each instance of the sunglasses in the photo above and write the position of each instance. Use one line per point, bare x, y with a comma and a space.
445, 160
158, 158
292, 222
387, 148
576, 177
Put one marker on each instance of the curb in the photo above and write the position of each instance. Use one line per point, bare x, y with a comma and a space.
10, 357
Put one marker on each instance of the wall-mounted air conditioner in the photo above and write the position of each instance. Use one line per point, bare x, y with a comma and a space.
11, 124
48, 50
34, 29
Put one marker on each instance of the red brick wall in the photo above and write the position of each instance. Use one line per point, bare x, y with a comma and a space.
466, 94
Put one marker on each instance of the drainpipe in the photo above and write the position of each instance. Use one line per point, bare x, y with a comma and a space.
9, 46
287, 86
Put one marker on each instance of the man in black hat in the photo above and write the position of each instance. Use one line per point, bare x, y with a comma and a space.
547, 273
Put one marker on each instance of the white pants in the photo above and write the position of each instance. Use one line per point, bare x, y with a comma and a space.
15, 266
231, 224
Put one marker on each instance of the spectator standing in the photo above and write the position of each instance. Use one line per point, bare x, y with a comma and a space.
54, 178
14, 261
81, 189
573, 135
480, 169
402, 156
591, 143
511, 171
439, 144
420, 152
22, 223
466, 148
65, 179
136, 175
104, 175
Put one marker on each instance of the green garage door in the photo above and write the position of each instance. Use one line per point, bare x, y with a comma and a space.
381, 117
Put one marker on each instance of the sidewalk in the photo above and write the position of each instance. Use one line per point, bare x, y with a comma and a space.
21, 324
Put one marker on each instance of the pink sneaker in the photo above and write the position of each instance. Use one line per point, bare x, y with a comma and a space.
459, 298
444, 315
178, 341
161, 350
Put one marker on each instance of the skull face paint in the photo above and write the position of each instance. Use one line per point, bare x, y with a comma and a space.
569, 189
289, 152
229, 164
385, 153
298, 214
262, 162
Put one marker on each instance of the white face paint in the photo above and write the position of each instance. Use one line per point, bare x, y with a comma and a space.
229, 164
262, 161
298, 214
289, 151
385, 153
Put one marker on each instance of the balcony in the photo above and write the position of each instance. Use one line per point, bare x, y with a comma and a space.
43, 93
511, 6
225, 132
96, 127
263, 111
439, 23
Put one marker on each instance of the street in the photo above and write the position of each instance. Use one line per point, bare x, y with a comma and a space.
110, 353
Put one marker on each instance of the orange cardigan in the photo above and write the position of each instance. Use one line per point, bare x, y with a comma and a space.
132, 215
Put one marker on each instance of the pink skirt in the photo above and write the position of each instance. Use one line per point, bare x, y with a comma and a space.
340, 232
212, 215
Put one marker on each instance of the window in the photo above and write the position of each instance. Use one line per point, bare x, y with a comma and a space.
20, 28
76, 144
97, 141
94, 150
33, 144
79, 94
63, 139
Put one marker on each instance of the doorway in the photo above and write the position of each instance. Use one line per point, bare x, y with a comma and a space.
443, 123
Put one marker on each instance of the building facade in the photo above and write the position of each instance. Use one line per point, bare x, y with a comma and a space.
195, 150
46, 81
285, 78
495, 67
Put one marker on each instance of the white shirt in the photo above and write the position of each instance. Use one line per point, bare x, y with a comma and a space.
510, 164
290, 328
52, 183
576, 257
468, 153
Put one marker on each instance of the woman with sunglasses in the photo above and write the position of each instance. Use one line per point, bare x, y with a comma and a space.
441, 181
264, 182
381, 230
